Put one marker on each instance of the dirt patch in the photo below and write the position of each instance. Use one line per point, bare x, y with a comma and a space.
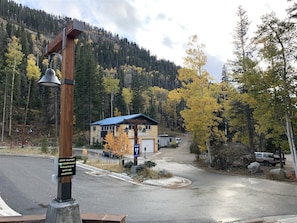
263, 174
182, 155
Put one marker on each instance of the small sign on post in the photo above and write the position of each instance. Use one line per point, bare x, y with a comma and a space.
66, 166
136, 150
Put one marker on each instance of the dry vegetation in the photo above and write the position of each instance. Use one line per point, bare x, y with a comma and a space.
113, 167
27, 151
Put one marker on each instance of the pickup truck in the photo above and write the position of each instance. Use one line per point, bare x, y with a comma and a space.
268, 158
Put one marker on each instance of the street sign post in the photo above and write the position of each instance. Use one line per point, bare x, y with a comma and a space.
136, 150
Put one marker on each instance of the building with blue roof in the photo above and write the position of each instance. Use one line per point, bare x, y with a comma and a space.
138, 127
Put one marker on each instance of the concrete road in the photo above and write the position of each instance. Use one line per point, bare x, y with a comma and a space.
26, 187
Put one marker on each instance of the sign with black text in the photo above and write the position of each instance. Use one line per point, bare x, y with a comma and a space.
66, 166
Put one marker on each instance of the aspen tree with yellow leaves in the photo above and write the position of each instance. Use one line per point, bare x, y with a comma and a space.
127, 96
33, 73
111, 86
14, 58
174, 99
118, 143
199, 94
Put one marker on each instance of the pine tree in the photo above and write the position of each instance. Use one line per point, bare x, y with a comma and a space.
88, 88
243, 68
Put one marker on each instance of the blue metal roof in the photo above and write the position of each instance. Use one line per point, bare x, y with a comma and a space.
120, 119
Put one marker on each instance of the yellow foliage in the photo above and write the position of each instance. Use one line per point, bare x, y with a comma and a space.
14, 54
111, 84
84, 152
117, 112
33, 71
127, 95
118, 144
200, 95
109, 142
175, 96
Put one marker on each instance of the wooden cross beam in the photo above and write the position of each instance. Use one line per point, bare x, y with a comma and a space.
71, 31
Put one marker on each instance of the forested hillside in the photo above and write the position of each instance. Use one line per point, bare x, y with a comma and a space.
113, 75
255, 104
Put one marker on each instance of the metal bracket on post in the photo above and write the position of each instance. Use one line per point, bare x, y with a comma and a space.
64, 39
67, 81
46, 49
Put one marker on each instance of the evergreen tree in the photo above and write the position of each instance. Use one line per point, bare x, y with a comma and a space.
88, 88
243, 67
137, 88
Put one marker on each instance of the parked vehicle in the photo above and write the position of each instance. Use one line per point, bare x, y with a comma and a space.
277, 156
267, 158
109, 154
178, 140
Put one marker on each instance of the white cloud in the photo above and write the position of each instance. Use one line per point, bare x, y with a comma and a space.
164, 26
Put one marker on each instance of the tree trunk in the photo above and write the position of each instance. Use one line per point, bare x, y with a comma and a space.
4, 108
111, 105
250, 129
27, 104
128, 109
290, 136
11, 98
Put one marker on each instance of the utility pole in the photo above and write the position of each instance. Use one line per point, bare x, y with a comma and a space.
135, 123
64, 208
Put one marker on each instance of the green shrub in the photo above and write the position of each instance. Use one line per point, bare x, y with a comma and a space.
149, 164
194, 148
97, 145
44, 145
128, 165
80, 141
140, 168
164, 174
173, 145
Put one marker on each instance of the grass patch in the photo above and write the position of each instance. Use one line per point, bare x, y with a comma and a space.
291, 176
34, 151
113, 167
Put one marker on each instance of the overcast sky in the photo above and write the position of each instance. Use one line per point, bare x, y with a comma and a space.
164, 26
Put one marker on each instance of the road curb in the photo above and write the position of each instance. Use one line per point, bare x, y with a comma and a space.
271, 219
7, 211
172, 182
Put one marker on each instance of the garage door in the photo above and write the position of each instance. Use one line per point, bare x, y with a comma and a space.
148, 144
